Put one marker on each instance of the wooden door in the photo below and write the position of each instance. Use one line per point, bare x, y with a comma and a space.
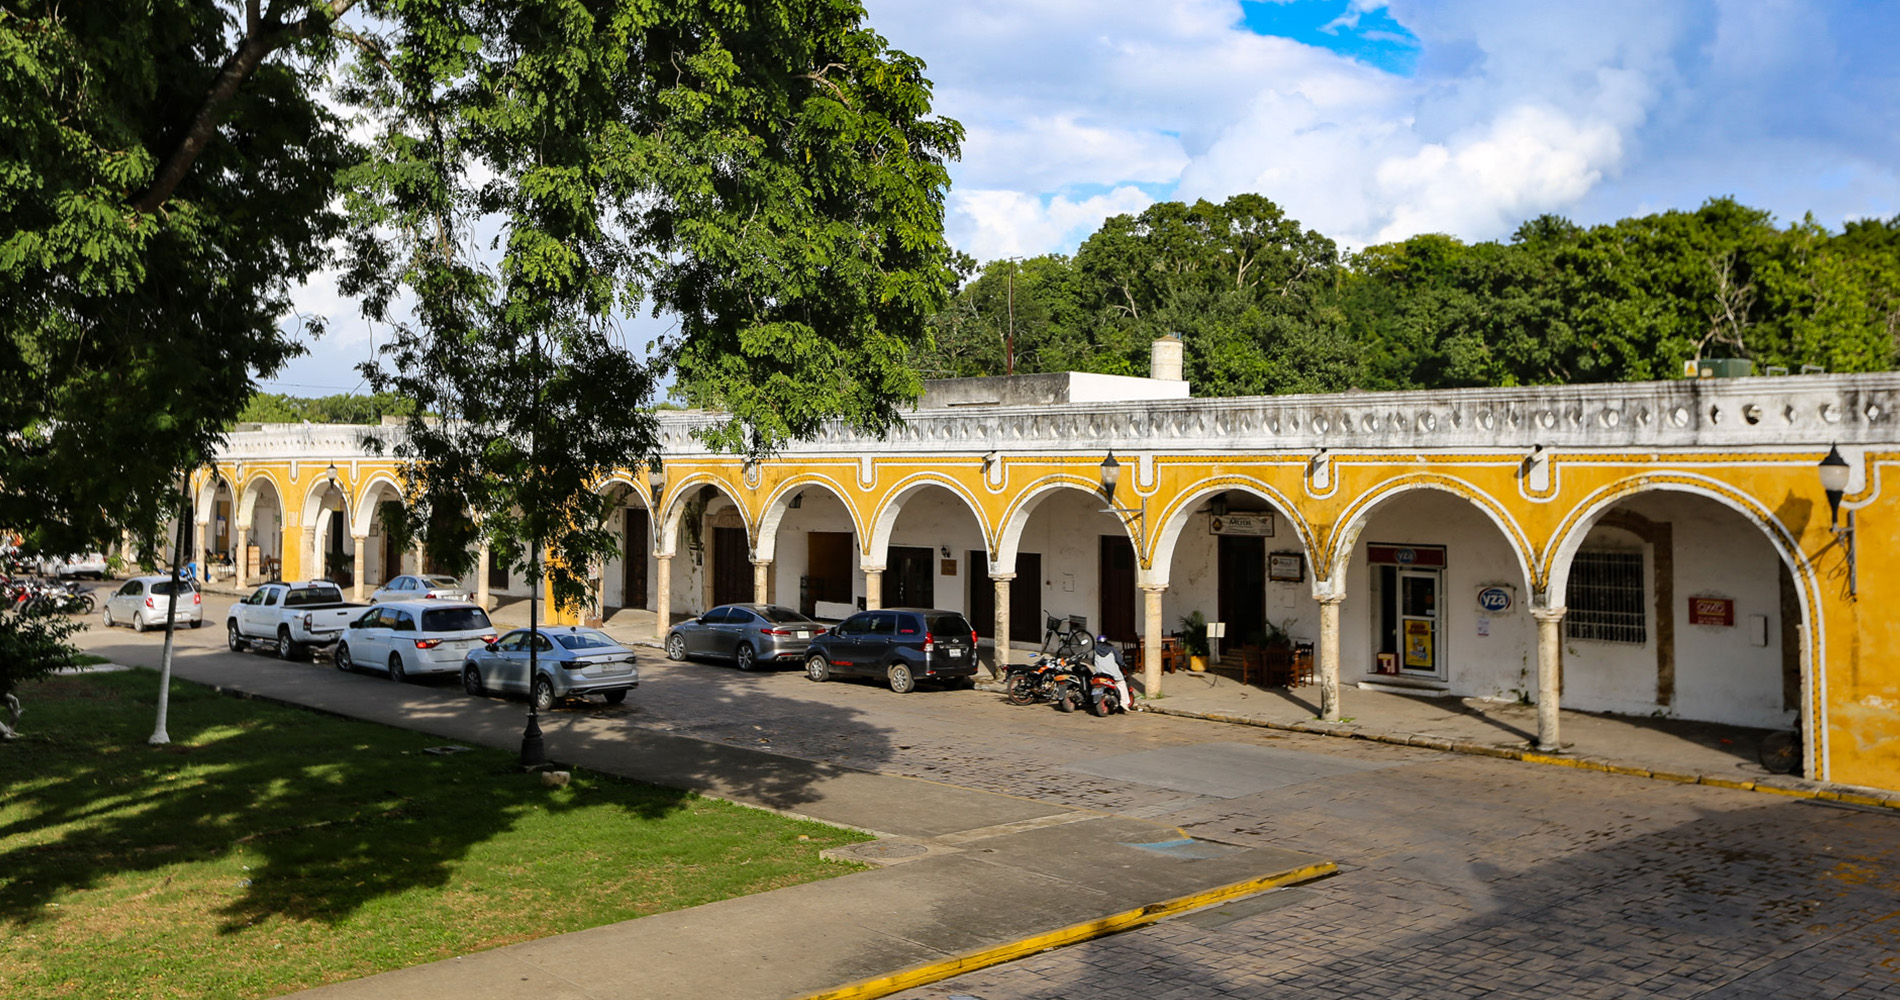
633, 558
1116, 584
1243, 588
910, 581
1025, 599
732, 567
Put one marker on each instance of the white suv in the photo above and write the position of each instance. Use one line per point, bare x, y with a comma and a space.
414, 637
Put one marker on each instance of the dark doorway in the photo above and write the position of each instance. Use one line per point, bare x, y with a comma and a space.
732, 567
910, 581
390, 512
1243, 588
633, 558
828, 570
1025, 598
1117, 584
339, 559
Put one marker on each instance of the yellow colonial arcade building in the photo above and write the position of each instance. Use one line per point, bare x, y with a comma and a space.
1712, 549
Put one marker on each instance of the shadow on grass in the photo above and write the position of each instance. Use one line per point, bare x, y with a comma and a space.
328, 814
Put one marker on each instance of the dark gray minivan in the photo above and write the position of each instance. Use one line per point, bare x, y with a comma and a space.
903, 646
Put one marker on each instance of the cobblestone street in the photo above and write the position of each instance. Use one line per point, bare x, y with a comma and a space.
1460, 876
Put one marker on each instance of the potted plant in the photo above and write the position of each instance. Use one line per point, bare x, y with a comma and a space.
1194, 640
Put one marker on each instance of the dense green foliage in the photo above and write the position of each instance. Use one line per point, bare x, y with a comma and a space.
344, 408
1263, 307
767, 172
134, 315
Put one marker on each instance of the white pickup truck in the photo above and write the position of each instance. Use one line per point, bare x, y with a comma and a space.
291, 617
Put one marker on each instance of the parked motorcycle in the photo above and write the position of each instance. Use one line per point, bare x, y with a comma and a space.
1063, 640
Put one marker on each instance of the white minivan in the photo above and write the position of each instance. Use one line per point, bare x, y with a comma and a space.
414, 637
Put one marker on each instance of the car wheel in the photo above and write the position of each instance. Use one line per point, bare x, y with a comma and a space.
108, 617
396, 672
236, 641
342, 657
287, 648
198, 623
472, 682
818, 669
676, 647
744, 658
616, 697
543, 696
900, 678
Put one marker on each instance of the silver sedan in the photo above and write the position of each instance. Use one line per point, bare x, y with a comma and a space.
746, 634
415, 587
570, 661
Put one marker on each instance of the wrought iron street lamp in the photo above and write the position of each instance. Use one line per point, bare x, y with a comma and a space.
1834, 472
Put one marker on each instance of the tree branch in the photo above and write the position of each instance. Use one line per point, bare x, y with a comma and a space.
262, 37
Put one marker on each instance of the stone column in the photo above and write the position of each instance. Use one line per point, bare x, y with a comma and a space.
1550, 665
421, 551
1329, 656
663, 603
1001, 660
360, 569
873, 587
481, 577
1151, 639
761, 581
198, 553
309, 557
240, 554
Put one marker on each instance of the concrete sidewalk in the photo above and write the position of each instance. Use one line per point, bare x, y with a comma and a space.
965, 878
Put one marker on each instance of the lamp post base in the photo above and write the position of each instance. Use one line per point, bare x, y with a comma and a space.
533, 752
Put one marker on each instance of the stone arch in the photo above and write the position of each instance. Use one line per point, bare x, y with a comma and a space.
1568, 537
1015, 517
1330, 577
884, 521
674, 507
765, 537
370, 497
250, 490
1173, 518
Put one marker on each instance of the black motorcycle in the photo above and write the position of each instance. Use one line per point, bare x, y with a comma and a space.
1063, 640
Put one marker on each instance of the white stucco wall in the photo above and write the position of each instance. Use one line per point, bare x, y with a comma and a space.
1502, 664
615, 580
1194, 582
1721, 674
1066, 530
935, 519
819, 510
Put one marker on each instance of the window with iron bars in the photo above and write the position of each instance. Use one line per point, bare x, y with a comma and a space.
1605, 600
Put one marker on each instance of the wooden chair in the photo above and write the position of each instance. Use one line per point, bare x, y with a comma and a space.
1173, 654
1253, 665
1302, 672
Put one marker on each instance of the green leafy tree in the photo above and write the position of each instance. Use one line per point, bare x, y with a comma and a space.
769, 173
346, 408
32, 646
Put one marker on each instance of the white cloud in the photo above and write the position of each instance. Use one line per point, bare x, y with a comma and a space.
994, 224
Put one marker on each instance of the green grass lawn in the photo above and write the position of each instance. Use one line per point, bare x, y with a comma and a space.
270, 849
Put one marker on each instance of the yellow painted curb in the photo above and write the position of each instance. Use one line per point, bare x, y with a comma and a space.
983, 958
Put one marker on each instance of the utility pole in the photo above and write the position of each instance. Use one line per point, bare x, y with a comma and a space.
1009, 343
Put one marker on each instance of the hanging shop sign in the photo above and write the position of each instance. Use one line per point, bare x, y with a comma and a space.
1497, 600
1712, 611
1241, 524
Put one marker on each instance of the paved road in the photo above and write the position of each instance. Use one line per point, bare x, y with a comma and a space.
1460, 875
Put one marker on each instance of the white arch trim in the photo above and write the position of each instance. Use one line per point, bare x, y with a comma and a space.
666, 541
884, 522
252, 488
765, 542
1355, 517
1015, 518
1173, 520
368, 499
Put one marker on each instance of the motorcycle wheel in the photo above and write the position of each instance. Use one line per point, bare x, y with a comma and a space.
1021, 689
1065, 700
1105, 706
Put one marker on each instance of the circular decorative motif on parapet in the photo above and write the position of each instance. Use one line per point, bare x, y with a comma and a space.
1427, 421
1679, 416
1830, 413
1486, 420
1547, 419
1321, 424
1609, 418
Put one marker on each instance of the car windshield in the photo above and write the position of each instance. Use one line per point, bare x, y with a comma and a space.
948, 625
784, 616
442, 581
164, 587
585, 639
454, 620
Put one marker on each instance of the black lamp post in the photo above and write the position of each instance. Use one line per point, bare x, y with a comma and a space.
534, 752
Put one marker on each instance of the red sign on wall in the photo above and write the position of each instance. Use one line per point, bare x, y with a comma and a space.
1711, 611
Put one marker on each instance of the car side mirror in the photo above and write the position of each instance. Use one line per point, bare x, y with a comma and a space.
493, 647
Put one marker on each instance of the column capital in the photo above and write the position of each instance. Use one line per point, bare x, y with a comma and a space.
1333, 599
1002, 577
1549, 614
761, 562
871, 569
1154, 588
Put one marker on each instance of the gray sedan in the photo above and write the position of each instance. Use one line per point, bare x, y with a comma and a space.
746, 634
571, 661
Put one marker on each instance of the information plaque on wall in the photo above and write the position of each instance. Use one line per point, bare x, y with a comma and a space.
1712, 611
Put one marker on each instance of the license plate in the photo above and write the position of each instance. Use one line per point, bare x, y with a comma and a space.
802, 635
956, 653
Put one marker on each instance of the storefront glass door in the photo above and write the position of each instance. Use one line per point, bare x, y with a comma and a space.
1418, 620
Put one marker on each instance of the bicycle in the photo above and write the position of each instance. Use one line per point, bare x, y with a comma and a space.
1781, 752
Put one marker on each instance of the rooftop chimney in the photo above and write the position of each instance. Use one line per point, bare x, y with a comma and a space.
1165, 365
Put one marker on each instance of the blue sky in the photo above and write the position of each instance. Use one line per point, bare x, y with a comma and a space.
1373, 121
